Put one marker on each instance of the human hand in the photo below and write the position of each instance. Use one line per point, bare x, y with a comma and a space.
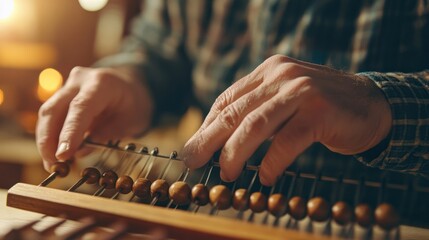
105, 103
296, 103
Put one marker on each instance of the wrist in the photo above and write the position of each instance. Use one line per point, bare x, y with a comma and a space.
381, 110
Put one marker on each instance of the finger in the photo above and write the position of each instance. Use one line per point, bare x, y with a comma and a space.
83, 109
256, 127
202, 146
250, 82
256, 78
234, 92
50, 120
192, 147
292, 139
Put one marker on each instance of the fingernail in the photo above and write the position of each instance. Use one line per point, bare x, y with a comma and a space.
62, 148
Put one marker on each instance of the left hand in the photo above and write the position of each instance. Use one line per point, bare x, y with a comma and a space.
296, 103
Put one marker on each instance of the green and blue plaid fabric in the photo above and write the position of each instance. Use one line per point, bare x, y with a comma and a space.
190, 51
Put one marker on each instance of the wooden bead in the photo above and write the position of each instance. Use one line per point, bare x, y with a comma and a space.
318, 209
364, 215
277, 204
130, 147
240, 200
386, 216
144, 150
180, 193
258, 202
61, 168
220, 196
91, 174
141, 188
108, 179
124, 184
297, 207
159, 188
200, 194
342, 213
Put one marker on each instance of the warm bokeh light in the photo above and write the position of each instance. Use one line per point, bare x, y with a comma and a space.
92, 5
42, 94
50, 80
6, 9
37, 55
1, 97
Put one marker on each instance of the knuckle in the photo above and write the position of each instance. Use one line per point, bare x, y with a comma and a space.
303, 87
92, 76
252, 124
308, 90
305, 82
76, 71
229, 117
75, 77
70, 128
289, 70
80, 103
43, 141
291, 67
277, 58
101, 76
222, 101
281, 71
47, 109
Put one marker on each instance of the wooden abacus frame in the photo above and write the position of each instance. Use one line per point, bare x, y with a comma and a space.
142, 218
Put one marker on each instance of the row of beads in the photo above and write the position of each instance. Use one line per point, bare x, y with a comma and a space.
220, 196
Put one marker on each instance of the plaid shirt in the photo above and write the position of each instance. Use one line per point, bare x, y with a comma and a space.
191, 51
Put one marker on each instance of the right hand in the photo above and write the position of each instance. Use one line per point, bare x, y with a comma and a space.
294, 104
105, 103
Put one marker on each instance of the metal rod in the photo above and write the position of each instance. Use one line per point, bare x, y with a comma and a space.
49, 179
289, 173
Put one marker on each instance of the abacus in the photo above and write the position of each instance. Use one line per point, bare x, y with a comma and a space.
131, 188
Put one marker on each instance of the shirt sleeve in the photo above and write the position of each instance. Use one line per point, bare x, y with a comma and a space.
155, 49
407, 147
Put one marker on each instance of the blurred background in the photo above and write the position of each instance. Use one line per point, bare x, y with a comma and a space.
40, 42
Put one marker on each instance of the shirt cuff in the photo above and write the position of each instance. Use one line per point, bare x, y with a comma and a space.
406, 149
